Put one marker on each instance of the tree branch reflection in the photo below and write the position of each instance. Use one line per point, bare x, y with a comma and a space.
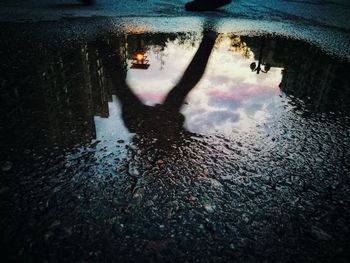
162, 120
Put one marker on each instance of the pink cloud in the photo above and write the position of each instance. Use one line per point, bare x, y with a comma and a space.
244, 92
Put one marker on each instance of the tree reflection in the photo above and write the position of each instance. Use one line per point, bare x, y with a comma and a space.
164, 120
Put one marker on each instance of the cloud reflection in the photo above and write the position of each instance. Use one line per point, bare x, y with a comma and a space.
229, 96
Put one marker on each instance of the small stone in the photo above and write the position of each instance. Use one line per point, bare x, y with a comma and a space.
245, 218
48, 235
160, 162
149, 203
6, 166
192, 198
68, 230
133, 171
55, 223
320, 234
209, 207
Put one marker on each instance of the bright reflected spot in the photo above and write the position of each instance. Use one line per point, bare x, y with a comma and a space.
112, 128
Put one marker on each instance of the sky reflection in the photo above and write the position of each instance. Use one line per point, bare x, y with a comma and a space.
111, 128
228, 97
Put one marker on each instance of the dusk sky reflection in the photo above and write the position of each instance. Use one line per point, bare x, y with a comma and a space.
229, 96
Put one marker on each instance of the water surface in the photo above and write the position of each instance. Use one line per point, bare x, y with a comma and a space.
100, 161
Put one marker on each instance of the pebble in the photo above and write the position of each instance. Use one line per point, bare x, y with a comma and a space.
133, 170
55, 223
209, 207
320, 234
160, 162
7, 166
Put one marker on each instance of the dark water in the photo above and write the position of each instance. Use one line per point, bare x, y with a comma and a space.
102, 161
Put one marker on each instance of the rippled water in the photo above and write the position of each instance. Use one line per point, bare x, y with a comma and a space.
102, 160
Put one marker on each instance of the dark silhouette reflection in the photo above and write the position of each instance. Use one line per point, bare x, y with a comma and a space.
163, 121
205, 5
258, 68
87, 2
76, 4
315, 81
49, 98
97, 202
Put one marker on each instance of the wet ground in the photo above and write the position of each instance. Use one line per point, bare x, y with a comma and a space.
188, 156
329, 13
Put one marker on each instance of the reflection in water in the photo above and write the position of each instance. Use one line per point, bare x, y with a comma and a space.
258, 68
163, 119
252, 163
226, 99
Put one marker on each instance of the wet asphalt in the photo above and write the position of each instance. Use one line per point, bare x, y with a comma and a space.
96, 166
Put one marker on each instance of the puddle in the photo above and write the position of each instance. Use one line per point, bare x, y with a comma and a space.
72, 97
163, 138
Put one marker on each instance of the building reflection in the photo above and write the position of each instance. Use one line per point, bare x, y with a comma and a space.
54, 101
317, 79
